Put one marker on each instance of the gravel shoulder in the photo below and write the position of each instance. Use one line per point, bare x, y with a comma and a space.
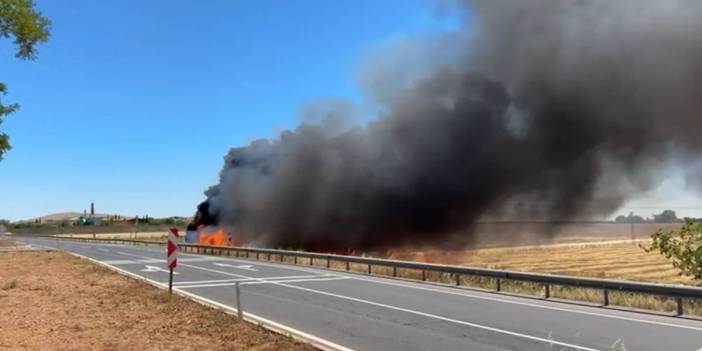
55, 301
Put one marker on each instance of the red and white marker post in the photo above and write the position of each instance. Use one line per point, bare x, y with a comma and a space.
171, 257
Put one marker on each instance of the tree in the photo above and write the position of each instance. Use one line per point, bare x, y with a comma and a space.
19, 20
683, 248
631, 218
667, 216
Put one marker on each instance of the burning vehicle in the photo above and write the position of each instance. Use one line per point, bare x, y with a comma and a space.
205, 230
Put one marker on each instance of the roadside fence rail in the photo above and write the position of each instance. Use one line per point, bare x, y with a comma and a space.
543, 284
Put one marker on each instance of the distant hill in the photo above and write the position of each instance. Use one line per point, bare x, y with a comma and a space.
70, 216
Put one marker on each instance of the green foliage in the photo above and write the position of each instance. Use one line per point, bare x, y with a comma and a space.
169, 221
4, 111
683, 248
19, 20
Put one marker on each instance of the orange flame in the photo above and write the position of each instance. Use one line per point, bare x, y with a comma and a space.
215, 236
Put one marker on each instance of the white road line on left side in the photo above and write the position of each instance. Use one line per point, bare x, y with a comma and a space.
103, 250
261, 281
297, 280
194, 282
415, 312
470, 294
458, 292
283, 329
156, 260
133, 255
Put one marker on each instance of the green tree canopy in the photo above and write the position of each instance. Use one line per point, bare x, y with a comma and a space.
683, 248
21, 21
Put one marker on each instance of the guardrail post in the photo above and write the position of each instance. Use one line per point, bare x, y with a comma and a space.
424, 275
281, 257
679, 302
269, 256
369, 269
295, 259
547, 291
328, 263
458, 279
257, 255
605, 297
498, 284
311, 261
394, 271
348, 266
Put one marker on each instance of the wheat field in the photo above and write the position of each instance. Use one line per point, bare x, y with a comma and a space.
620, 260
611, 260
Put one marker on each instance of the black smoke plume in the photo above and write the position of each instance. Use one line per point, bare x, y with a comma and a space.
556, 110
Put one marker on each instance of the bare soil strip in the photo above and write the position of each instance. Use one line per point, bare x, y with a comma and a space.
54, 301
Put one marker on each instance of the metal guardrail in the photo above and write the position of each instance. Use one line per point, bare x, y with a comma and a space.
677, 292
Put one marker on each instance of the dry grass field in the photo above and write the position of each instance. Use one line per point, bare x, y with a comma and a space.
618, 260
600, 260
506, 234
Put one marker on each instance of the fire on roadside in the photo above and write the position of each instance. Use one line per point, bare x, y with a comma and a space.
215, 236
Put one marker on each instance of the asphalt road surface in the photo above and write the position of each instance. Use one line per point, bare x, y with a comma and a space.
367, 313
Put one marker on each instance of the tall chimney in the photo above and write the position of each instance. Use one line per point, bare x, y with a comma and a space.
92, 209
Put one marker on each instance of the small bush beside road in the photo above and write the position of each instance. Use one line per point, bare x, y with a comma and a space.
683, 248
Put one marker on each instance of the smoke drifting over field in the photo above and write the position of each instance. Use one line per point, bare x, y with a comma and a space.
551, 110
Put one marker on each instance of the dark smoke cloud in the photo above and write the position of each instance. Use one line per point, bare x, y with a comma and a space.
554, 110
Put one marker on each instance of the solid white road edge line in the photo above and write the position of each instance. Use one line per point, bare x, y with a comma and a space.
234, 280
298, 280
429, 315
444, 290
263, 281
453, 291
276, 327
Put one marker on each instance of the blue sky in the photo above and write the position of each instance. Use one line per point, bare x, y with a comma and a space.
133, 104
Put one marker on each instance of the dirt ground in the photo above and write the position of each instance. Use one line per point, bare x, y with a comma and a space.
6, 243
54, 301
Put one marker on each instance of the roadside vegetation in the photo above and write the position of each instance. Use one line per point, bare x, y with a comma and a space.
27, 27
108, 228
682, 248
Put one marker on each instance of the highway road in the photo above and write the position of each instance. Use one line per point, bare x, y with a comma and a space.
361, 312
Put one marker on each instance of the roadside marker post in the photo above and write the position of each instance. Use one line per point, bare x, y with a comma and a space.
239, 310
171, 256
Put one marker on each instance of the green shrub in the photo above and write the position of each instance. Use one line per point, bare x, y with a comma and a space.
683, 248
